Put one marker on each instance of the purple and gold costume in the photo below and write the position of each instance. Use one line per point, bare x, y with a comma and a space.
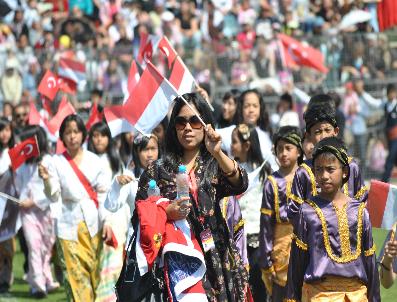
332, 244
275, 231
304, 186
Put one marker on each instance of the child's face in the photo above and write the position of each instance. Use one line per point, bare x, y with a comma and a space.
238, 148
100, 142
287, 154
322, 130
149, 154
329, 173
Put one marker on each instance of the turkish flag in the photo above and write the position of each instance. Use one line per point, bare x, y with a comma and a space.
387, 16
301, 54
95, 117
169, 51
49, 85
23, 151
67, 85
64, 109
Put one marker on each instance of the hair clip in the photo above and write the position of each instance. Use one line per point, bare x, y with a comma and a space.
244, 131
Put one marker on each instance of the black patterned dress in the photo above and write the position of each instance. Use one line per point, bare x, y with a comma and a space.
226, 279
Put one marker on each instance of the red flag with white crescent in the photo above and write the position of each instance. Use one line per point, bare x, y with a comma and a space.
23, 151
169, 51
49, 85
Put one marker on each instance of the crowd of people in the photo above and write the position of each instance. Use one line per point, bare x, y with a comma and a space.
241, 35
276, 208
277, 215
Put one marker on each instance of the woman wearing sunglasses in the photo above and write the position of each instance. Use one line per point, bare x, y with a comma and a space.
213, 175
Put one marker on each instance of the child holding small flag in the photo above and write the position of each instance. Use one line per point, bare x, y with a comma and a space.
275, 229
36, 216
333, 254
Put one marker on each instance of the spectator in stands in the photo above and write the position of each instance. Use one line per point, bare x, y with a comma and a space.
189, 24
18, 25
339, 115
31, 77
20, 118
11, 81
285, 115
112, 81
8, 109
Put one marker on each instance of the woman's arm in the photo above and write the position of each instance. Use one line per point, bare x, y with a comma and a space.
387, 276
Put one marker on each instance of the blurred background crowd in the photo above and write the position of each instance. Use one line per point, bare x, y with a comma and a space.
228, 45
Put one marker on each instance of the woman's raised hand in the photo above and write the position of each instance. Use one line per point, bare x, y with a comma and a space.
43, 172
178, 209
213, 140
124, 179
391, 249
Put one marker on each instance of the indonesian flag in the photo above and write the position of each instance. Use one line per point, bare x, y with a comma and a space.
181, 78
95, 117
147, 48
64, 109
297, 53
117, 121
150, 100
382, 204
49, 85
169, 51
72, 70
23, 151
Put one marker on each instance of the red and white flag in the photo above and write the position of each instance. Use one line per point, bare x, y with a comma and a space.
387, 16
133, 76
72, 70
167, 49
382, 204
64, 109
95, 117
301, 54
67, 85
147, 48
117, 121
150, 100
181, 78
23, 151
49, 85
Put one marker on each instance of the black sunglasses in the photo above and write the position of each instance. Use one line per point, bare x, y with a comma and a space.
181, 122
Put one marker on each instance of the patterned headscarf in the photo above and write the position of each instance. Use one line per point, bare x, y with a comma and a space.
334, 146
291, 135
321, 108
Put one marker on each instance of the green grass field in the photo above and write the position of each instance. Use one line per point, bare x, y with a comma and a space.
20, 289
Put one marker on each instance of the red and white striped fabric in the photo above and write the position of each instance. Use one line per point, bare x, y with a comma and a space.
382, 204
116, 118
181, 78
150, 100
155, 234
72, 70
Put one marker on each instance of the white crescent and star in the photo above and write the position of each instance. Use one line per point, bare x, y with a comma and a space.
51, 82
166, 51
27, 150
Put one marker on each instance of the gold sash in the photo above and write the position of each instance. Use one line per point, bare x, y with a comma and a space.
281, 250
335, 289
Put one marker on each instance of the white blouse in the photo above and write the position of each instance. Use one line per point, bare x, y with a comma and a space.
30, 185
77, 206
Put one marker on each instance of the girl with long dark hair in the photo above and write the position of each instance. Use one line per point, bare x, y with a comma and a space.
215, 268
10, 222
77, 178
37, 220
246, 150
101, 143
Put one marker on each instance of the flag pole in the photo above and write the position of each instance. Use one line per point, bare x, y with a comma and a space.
10, 197
173, 87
